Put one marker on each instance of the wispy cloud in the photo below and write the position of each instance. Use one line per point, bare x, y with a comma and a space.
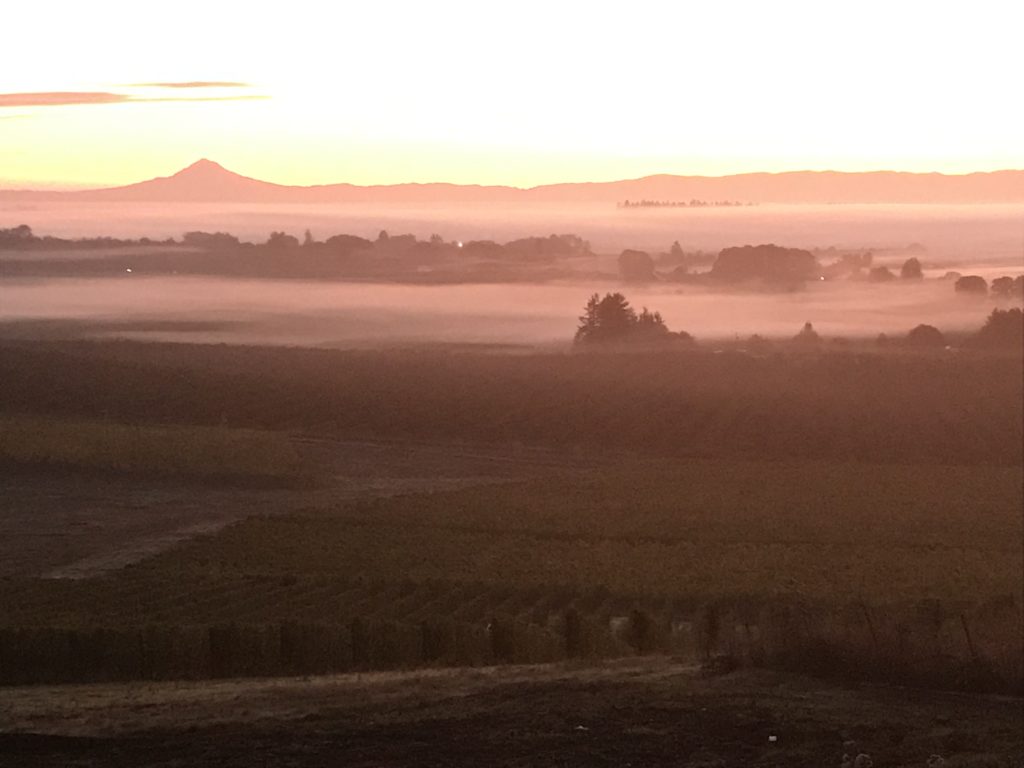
72, 98
60, 98
193, 84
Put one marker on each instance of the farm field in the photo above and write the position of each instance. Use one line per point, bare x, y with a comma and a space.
850, 513
930, 408
104, 504
701, 557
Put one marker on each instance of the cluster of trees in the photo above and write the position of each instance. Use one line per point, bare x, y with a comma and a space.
768, 263
1005, 287
542, 249
780, 268
909, 270
22, 237
1003, 329
611, 319
407, 247
284, 255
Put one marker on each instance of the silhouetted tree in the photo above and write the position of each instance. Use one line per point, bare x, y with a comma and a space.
881, 275
1003, 328
636, 266
282, 241
971, 284
758, 343
612, 319
926, 336
16, 236
307, 239
769, 263
587, 329
345, 243
210, 240
807, 335
1005, 287
911, 269
607, 319
650, 325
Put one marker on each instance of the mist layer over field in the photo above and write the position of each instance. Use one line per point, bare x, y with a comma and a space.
352, 314
978, 239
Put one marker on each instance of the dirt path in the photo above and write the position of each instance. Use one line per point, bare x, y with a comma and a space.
78, 526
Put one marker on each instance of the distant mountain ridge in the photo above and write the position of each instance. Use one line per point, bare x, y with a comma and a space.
208, 182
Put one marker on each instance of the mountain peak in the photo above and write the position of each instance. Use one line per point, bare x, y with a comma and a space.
202, 167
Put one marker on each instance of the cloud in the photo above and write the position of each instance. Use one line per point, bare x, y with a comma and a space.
70, 98
60, 98
193, 84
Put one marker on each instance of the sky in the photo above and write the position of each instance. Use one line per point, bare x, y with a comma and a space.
526, 93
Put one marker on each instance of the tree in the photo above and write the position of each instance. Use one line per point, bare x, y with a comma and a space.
911, 269
308, 240
650, 325
347, 243
612, 319
615, 318
1004, 287
282, 241
1003, 328
210, 240
926, 336
677, 254
767, 263
587, 330
16, 236
636, 266
807, 335
972, 285
880, 275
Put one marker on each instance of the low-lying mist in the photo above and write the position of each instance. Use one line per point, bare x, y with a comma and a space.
355, 314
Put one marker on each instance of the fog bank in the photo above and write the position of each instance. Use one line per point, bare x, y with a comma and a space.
355, 314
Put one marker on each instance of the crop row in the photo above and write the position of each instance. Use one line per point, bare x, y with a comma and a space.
929, 643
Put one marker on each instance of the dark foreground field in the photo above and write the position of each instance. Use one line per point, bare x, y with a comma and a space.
195, 538
651, 712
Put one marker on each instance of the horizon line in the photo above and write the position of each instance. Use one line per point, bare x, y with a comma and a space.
58, 186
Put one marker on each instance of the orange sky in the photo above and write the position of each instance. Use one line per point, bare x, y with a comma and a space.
523, 94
